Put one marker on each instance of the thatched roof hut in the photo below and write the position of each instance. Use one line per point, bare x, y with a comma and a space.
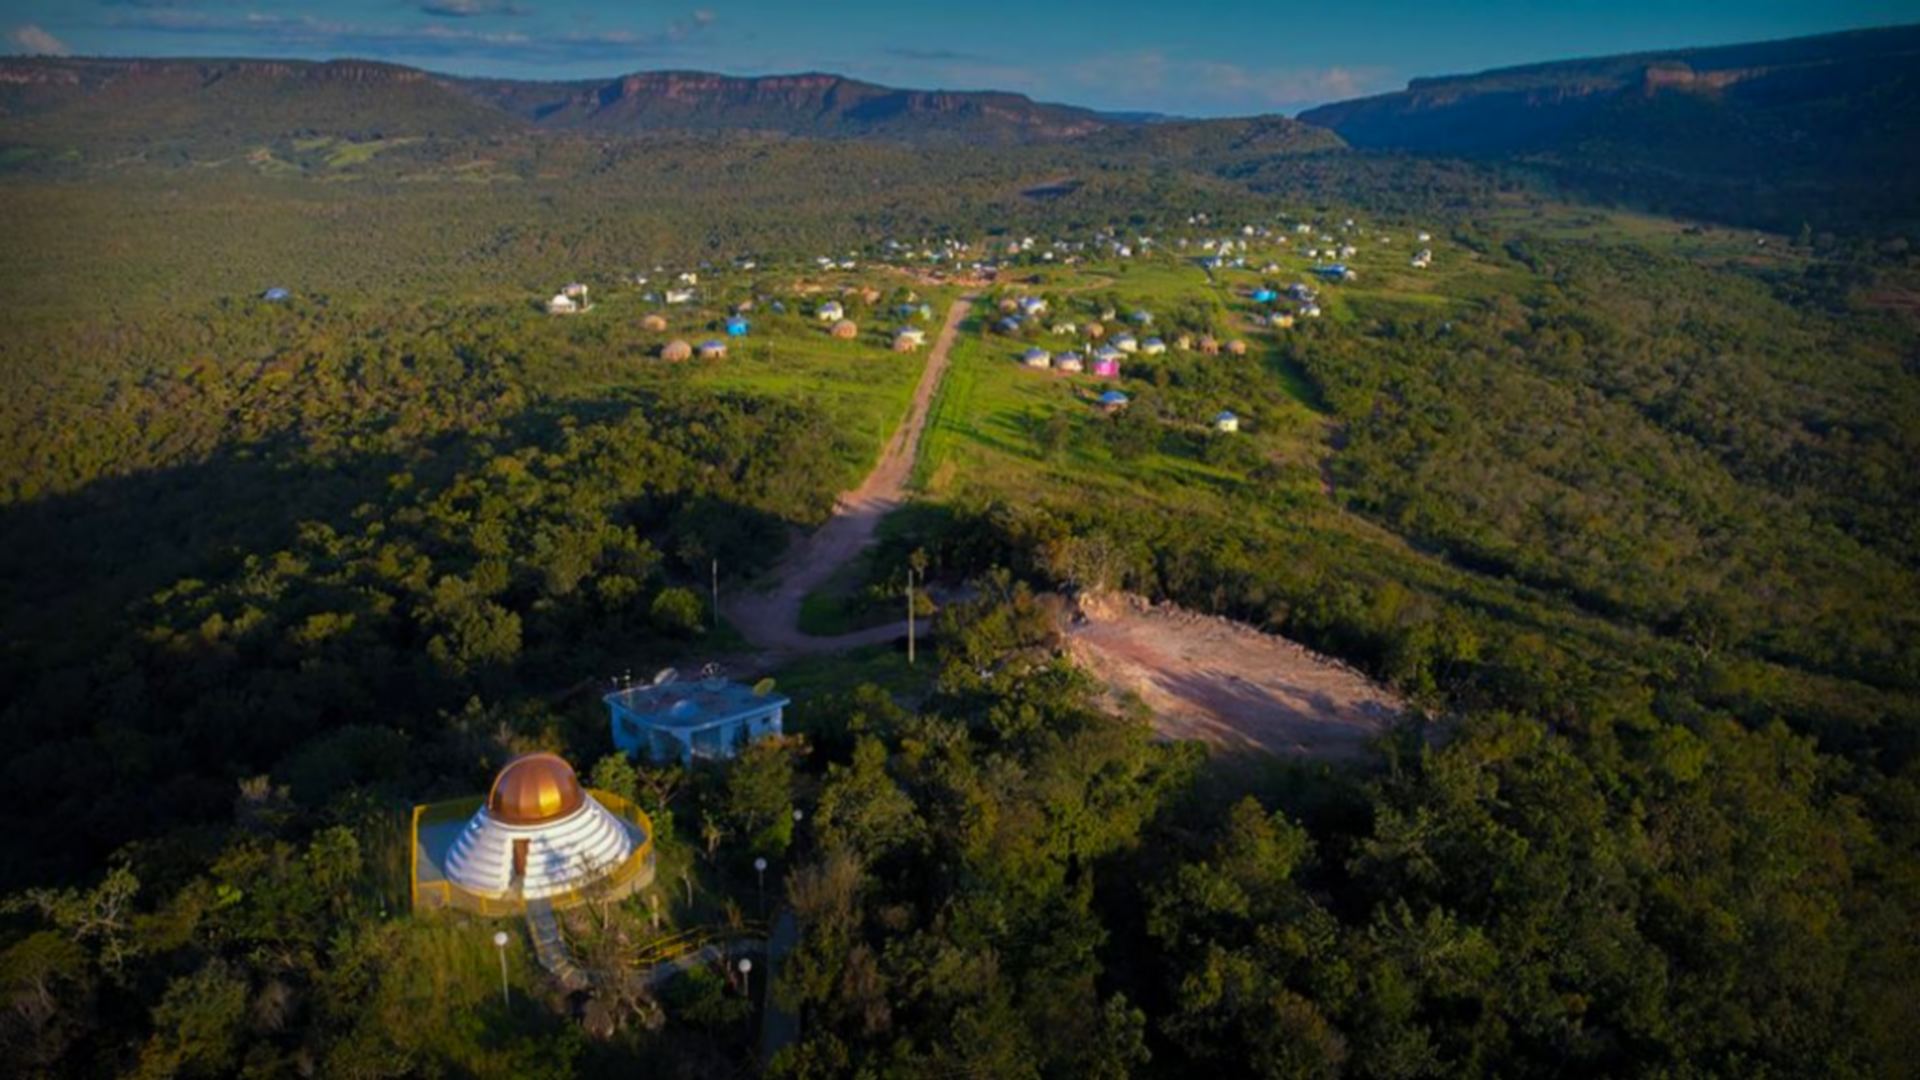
653, 324
845, 329
1209, 346
1096, 331
869, 295
1237, 347
676, 350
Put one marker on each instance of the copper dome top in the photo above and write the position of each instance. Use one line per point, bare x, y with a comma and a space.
533, 788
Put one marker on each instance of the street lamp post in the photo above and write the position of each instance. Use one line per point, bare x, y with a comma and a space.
500, 945
760, 874
746, 978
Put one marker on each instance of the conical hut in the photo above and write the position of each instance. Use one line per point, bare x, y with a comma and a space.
1209, 346
1096, 331
653, 324
676, 350
1183, 342
1236, 347
845, 329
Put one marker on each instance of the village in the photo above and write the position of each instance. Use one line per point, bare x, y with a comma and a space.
974, 336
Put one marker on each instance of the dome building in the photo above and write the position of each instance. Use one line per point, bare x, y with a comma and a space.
537, 835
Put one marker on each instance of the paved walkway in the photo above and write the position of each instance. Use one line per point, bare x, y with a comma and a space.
778, 1027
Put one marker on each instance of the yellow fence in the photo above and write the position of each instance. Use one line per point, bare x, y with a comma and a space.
636, 872
692, 940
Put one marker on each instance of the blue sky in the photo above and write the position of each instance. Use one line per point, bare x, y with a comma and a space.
1190, 58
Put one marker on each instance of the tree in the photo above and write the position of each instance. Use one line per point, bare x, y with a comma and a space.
862, 808
678, 612
757, 794
198, 1024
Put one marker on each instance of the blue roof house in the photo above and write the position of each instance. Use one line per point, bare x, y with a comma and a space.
1265, 296
736, 326
276, 294
686, 720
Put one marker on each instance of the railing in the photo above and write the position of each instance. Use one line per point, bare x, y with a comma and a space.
622, 880
693, 939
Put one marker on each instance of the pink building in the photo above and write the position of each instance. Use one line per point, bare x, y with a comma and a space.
1107, 368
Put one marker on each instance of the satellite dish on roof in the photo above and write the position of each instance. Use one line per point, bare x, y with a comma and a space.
665, 675
763, 688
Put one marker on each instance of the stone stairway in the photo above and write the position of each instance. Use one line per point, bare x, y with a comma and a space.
551, 948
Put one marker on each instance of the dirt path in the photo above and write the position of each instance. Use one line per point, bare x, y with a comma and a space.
1226, 683
770, 619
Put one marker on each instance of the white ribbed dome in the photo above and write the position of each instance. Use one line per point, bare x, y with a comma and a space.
561, 854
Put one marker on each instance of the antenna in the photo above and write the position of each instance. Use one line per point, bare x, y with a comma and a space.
664, 676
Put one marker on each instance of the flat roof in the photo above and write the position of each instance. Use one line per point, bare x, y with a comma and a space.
692, 703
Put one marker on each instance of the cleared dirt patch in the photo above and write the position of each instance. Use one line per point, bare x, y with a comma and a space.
1227, 684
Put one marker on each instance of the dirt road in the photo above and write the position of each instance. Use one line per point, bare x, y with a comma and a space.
1226, 683
770, 619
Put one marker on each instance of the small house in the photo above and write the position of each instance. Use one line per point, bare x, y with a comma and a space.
1153, 346
1126, 343
679, 296
1264, 295
1071, 363
562, 304
830, 311
1236, 347
1311, 311
276, 295
1281, 321
676, 350
653, 324
845, 330
1209, 346
1065, 329
1141, 318
1096, 331
1226, 422
736, 326
687, 720
1112, 401
1183, 342
912, 335
1036, 358
1009, 325
574, 291
713, 349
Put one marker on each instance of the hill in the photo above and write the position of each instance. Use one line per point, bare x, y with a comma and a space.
228, 101
1820, 130
45, 99
812, 104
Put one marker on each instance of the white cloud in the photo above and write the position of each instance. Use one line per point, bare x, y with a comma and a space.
32, 40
